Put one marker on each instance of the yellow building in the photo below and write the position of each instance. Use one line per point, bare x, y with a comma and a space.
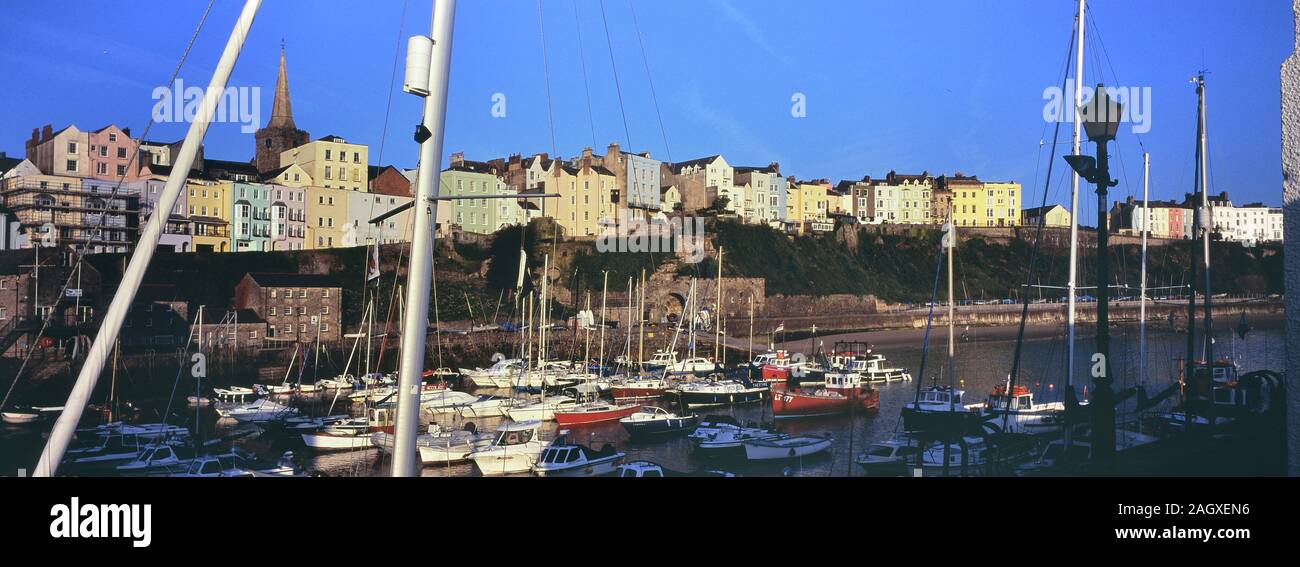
584, 197
208, 205
812, 202
1053, 216
332, 163
327, 219
988, 204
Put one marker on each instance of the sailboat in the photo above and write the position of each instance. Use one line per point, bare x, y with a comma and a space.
934, 406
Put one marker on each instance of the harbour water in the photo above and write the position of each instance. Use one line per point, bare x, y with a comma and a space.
980, 366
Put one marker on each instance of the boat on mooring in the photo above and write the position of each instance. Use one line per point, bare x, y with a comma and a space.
566, 457
514, 449
785, 447
717, 391
653, 422
840, 393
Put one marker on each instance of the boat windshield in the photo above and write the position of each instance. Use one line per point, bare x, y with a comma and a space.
514, 437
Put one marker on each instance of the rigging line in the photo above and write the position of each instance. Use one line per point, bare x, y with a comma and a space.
929, 320
586, 85
609, 41
653, 96
1038, 243
397, 53
81, 253
546, 71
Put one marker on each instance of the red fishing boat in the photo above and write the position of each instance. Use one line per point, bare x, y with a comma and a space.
841, 393
776, 365
594, 412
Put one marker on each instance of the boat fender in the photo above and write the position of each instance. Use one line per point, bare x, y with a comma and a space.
792, 451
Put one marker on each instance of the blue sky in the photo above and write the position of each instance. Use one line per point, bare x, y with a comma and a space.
942, 86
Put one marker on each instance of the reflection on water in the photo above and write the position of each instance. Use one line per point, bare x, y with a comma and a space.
980, 365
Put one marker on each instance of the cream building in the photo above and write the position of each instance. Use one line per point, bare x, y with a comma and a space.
332, 163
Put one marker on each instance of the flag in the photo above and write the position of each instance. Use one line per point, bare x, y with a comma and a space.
779, 328
372, 264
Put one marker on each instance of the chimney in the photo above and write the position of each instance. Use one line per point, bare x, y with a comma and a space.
776, 167
36, 137
126, 132
47, 132
458, 159
613, 149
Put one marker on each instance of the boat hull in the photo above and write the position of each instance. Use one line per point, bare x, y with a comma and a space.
701, 399
588, 417
629, 393
596, 467
795, 404
660, 428
331, 442
784, 449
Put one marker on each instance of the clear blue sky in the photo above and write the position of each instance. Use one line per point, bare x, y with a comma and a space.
942, 86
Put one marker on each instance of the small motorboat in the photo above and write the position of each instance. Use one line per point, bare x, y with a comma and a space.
153, 459
695, 365
840, 393
594, 412
351, 433
785, 447
564, 457
256, 412
514, 449
487, 378
727, 441
233, 393
888, 457
653, 422
340, 382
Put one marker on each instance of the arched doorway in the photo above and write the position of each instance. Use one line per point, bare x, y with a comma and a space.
674, 306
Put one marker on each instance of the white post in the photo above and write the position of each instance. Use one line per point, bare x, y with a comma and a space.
66, 425
420, 280
1142, 306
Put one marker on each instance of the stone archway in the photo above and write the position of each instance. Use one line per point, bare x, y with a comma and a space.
674, 305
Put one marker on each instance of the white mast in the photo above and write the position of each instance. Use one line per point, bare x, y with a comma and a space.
950, 243
420, 278
604, 290
66, 425
1074, 198
1142, 306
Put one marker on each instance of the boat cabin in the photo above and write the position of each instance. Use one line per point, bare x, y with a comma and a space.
843, 380
936, 396
1219, 383
638, 469
1020, 399
516, 433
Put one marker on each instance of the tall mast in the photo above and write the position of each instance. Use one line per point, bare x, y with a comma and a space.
420, 277
62, 433
1142, 305
1207, 220
1074, 200
604, 290
950, 242
640, 315
717, 317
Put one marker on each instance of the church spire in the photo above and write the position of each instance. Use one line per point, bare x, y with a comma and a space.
281, 111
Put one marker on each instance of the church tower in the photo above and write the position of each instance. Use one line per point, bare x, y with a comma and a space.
280, 133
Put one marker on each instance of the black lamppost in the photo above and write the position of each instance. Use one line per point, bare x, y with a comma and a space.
1101, 118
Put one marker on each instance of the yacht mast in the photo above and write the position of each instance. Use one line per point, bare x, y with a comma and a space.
1207, 219
419, 280
62, 433
950, 243
1142, 305
1074, 201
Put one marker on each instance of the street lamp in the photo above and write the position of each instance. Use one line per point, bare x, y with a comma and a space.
1101, 117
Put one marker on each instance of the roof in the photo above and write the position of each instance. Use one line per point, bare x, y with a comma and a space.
166, 171
158, 293
751, 169
473, 167
246, 316
274, 173
679, 166
1040, 210
268, 279
210, 166
7, 163
332, 138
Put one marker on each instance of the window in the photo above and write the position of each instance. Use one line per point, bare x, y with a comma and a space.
328, 153
273, 292
325, 310
72, 165
273, 312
